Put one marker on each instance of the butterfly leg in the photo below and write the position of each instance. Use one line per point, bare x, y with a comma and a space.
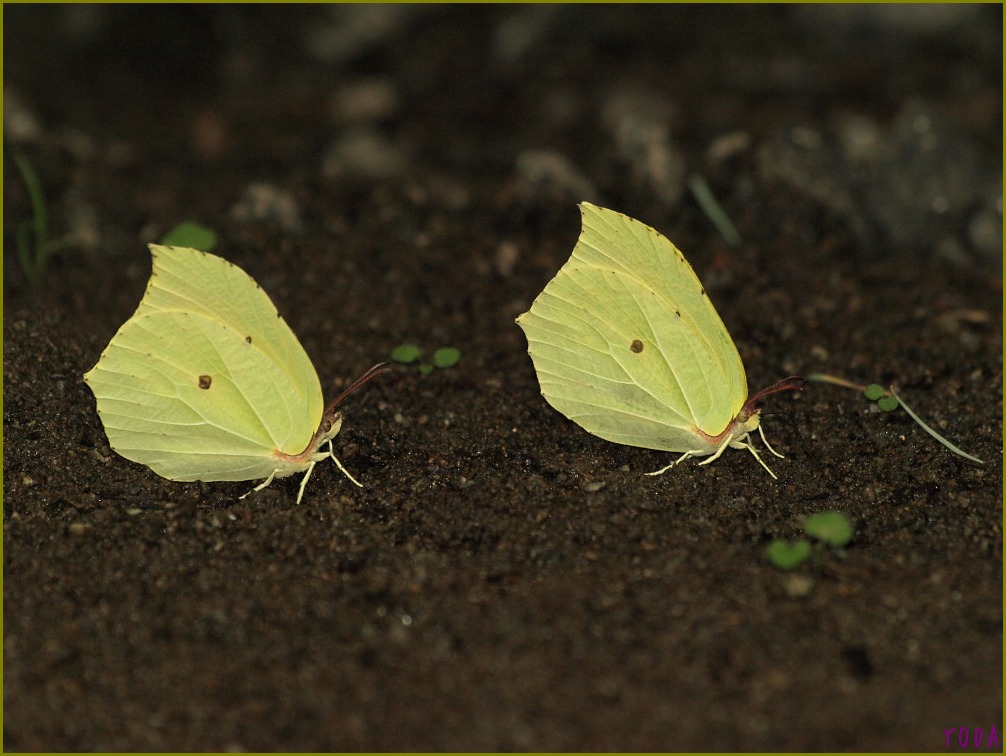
675, 463
716, 455
335, 459
750, 447
768, 446
303, 481
260, 486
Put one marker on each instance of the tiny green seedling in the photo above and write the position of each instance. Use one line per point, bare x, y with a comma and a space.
831, 529
887, 401
191, 234
873, 392
788, 554
445, 357
406, 353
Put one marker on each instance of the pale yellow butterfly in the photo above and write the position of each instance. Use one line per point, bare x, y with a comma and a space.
207, 382
627, 345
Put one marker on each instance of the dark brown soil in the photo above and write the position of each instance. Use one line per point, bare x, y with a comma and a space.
506, 581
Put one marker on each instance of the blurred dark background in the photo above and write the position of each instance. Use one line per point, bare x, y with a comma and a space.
505, 581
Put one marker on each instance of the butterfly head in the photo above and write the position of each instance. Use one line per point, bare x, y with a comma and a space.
747, 420
329, 429
331, 419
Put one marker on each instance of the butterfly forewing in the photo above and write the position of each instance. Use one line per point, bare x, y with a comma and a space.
187, 280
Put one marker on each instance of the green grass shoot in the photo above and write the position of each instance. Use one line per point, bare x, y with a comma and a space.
932, 432
713, 210
32, 236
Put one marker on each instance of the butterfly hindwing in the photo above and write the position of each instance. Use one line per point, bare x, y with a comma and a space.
193, 400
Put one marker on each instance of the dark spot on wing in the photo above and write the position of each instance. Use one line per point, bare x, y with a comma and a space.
205, 382
636, 346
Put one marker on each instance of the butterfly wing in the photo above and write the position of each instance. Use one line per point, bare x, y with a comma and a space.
206, 381
626, 343
187, 280
191, 399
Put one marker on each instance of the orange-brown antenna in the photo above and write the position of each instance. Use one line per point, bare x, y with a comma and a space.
376, 370
792, 383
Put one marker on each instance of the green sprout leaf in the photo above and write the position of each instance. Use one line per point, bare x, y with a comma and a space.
405, 353
191, 234
786, 555
446, 357
834, 528
873, 392
887, 403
